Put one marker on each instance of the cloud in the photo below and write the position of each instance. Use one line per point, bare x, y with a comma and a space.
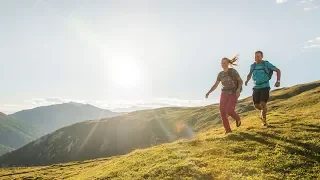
305, 1
11, 108
46, 101
281, 1
151, 104
313, 43
310, 8
115, 105
308, 5
314, 46
124, 105
52, 100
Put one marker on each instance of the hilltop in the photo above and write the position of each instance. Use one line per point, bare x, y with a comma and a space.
288, 149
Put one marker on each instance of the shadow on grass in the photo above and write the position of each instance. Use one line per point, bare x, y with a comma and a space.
296, 127
307, 146
307, 129
310, 127
286, 121
311, 151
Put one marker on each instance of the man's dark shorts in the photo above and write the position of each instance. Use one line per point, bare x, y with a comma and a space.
261, 95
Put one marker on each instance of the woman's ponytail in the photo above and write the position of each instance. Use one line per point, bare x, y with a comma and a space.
234, 60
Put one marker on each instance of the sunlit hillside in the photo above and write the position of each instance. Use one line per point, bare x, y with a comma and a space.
288, 149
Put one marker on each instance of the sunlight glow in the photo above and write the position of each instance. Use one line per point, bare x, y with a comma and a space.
125, 72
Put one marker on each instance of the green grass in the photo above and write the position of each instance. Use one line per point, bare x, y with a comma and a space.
288, 149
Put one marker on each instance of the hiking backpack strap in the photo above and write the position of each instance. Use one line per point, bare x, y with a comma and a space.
265, 67
253, 67
266, 70
234, 78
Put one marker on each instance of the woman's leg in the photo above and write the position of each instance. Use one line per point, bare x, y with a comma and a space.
231, 106
223, 113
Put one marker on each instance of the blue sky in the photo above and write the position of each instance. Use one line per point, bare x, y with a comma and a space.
149, 53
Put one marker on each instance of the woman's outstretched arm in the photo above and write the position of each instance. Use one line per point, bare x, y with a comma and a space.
214, 87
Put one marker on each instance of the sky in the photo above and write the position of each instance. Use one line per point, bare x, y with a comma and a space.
118, 54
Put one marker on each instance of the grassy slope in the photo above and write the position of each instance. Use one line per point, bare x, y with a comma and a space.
290, 148
114, 136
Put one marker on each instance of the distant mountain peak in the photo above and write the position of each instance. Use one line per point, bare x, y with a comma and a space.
84, 105
76, 103
50, 118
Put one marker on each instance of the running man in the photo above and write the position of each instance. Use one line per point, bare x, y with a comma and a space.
262, 73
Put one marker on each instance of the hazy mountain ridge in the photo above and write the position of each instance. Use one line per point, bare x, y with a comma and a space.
96, 138
14, 134
5, 149
50, 118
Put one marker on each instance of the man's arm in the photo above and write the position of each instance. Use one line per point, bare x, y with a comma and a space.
248, 78
278, 77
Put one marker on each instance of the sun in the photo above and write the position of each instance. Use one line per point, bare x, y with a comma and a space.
124, 72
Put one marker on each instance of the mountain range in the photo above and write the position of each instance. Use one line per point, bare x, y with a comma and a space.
123, 134
50, 118
288, 149
14, 134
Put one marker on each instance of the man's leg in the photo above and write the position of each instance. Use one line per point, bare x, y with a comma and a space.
264, 110
265, 94
256, 97
258, 106
264, 114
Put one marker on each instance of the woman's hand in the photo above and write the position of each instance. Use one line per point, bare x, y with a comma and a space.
213, 88
238, 93
207, 95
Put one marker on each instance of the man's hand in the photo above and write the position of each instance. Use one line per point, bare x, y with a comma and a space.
238, 93
207, 95
278, 77
246, 83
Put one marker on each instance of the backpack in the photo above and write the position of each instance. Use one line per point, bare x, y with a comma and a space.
268, 71
234, 78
